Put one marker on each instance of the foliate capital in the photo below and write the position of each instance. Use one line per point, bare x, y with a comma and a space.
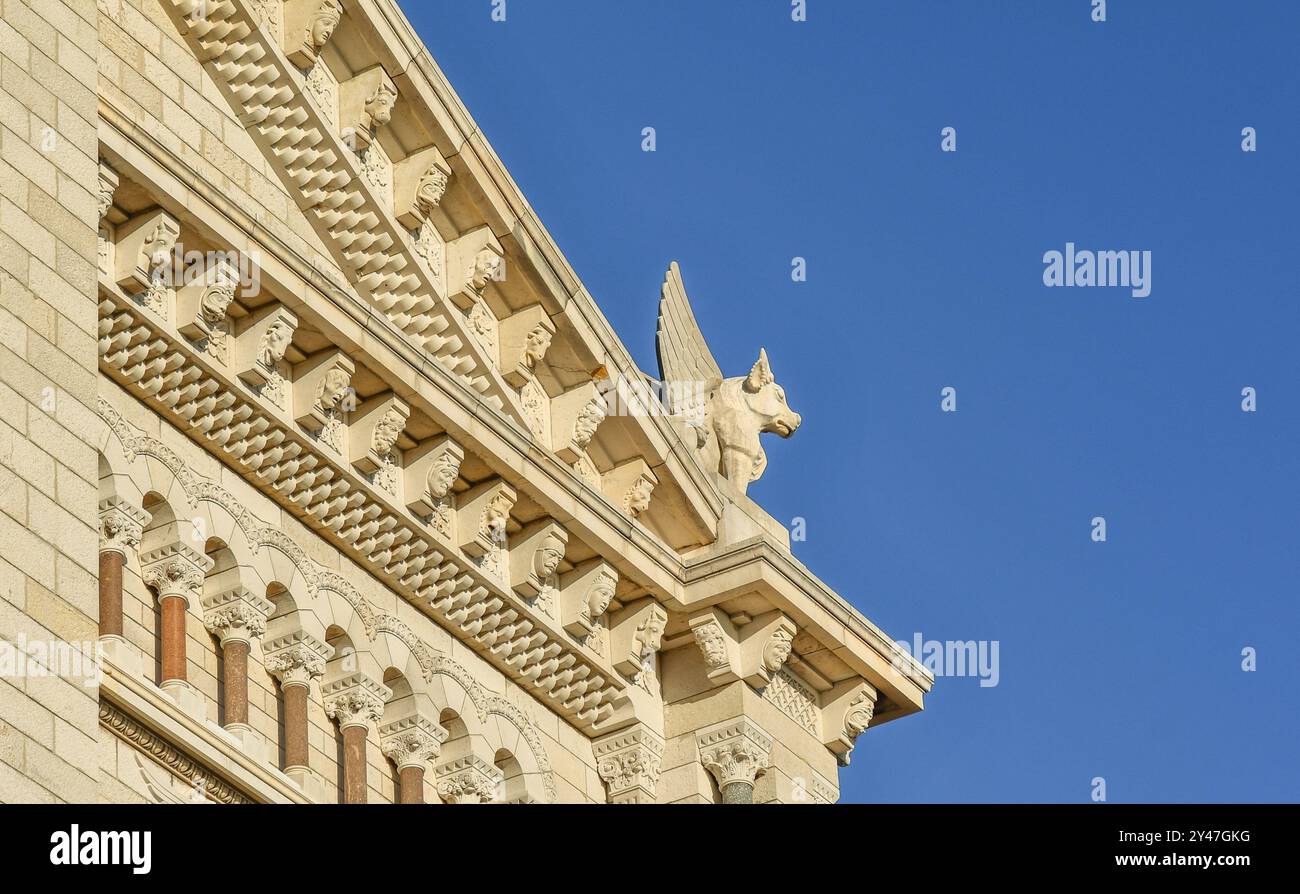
236, 615
296, 659
629, 762
467, 780
175, 570
411, 741
121, 525
355, 700
735, 751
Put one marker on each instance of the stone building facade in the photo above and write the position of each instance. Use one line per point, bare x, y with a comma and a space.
314, 442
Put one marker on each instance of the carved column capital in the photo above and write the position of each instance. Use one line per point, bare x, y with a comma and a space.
355, 700
236, 615
467, 780
411, 741
175, 570
736, 751
296, 659
121, 525
629, 762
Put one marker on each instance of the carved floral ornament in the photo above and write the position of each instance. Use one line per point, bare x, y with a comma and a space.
121, 525
858, 716
411, 742
629, 762
297, 659
355, 700
237, 615
174, 570
735, 751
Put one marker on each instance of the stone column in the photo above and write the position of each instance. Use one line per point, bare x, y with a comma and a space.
354, 703
120, 526
295, 660
235, 616
411, 743
735, 753
176, 573
629, 763
468, 780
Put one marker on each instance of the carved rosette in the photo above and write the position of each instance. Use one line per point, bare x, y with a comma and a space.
629, 762
296, 659
734, 752
468, 780
237, 615
411, 741
121, 525
174, 570
355, 700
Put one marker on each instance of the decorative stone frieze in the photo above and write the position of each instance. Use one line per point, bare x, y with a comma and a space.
629, 762
735, 753
355, 700
468, 780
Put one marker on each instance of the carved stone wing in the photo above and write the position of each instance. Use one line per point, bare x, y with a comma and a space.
684, 356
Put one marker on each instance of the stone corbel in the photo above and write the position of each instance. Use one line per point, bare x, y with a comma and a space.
355, 700
366, 105
202, 307
525, 338
629, 486
474, 260
308, 26
847, 709
636, 633
575, 416
716, 636
322, 386
735, 753
144, 251
430, 474
108, 181
373, 430
468, 780
629, 761
260, 347
482, 514
419, 182
585, 594
765, 644
535, 556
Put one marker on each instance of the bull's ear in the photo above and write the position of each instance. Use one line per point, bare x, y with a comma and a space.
760, 374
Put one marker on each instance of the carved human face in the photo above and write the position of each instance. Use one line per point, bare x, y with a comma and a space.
535, 346
547, 559
443, 474
323, 23
276, 342
433, 185
333, 388
767, 400
777, 650
638, 498
598, 599
380, 106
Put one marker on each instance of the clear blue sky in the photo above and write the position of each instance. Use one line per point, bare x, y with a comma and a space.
821, 139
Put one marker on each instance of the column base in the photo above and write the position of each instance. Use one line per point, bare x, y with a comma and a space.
189, 699
311, 784
252, 743
124, 656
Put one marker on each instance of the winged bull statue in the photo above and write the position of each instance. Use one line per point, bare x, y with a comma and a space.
726, 415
